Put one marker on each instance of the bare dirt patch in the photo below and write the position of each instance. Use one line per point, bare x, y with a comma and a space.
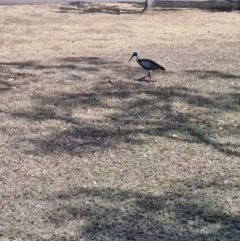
90, 153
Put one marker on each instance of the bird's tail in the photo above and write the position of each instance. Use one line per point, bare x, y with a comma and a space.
162, 68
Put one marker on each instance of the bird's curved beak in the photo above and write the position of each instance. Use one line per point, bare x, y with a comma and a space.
131, 58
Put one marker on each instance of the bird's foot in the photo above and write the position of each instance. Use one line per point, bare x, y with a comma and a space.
143, 79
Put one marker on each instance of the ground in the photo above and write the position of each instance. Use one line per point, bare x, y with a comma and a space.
90, 152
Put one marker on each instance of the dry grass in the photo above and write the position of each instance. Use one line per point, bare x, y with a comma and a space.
89, 153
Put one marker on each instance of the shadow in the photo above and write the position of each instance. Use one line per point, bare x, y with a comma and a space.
10, 80
125, 125
210, 73
5, 85
116, 214
36, 65
81, 64
138, 108
23, 64
88, 60
144, 79
81, 7
81, 120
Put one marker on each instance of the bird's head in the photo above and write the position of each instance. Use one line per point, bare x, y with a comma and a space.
134, 54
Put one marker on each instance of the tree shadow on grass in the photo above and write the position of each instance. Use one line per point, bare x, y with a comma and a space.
34, 70
140, 108
115, 214
157, 117
12, 79
204, 74
5, 86
88, 60
68, 62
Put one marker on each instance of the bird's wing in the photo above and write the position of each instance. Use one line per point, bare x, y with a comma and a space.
147, 63
150, 64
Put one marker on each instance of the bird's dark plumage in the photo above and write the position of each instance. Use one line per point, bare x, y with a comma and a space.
147, 64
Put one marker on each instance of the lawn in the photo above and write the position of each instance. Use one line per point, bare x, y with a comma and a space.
89, 152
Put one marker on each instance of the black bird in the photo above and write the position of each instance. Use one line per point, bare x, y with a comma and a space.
147, 64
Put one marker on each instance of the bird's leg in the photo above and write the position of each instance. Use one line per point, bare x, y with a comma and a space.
144, 77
